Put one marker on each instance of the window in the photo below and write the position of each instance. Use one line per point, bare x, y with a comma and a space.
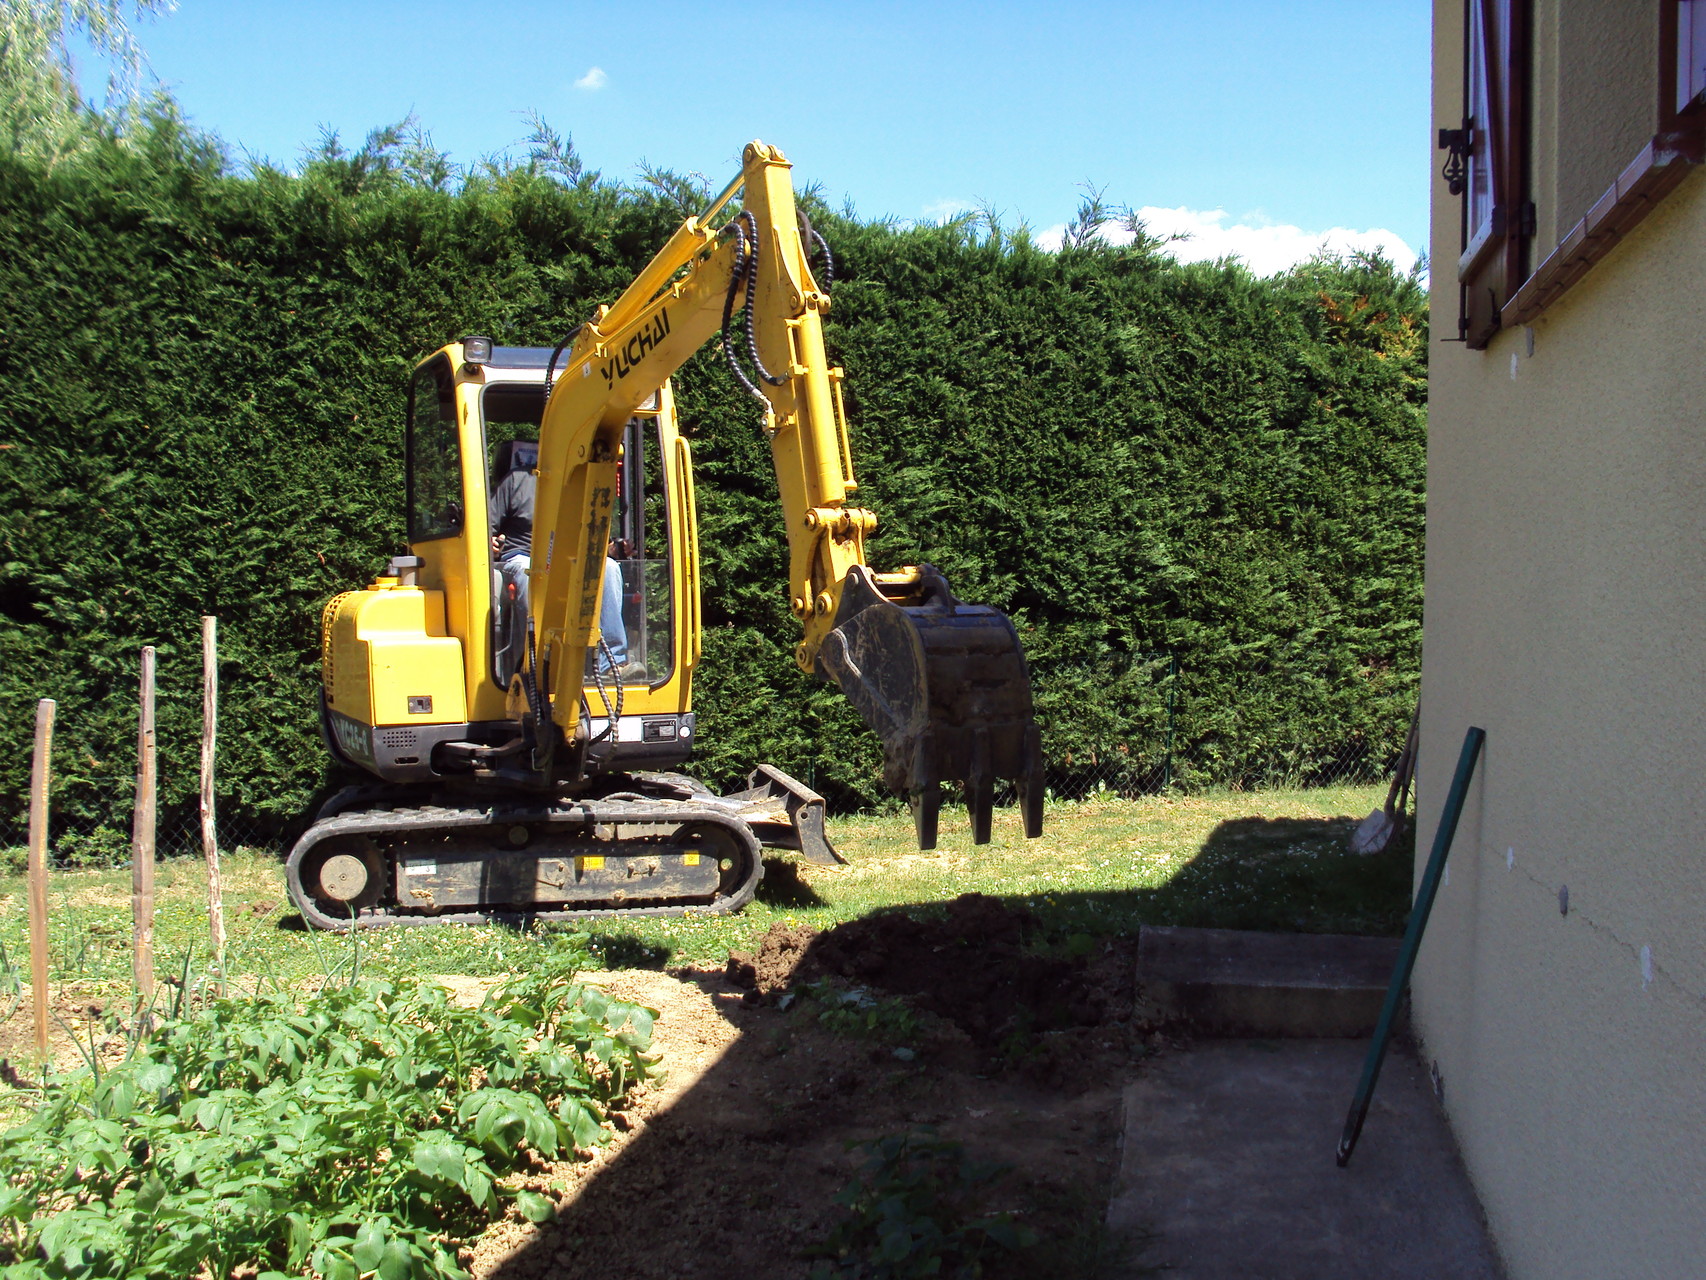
511, 411
1498, 216
1577, 120
433, 457
639, 535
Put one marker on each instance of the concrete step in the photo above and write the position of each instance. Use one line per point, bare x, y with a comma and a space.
1236, 982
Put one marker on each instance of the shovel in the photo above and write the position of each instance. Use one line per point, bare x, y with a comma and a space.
1375, 832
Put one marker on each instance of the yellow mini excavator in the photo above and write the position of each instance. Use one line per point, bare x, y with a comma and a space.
525, 730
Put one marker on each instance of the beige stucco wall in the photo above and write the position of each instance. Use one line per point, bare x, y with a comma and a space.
1605, 59
1566, 615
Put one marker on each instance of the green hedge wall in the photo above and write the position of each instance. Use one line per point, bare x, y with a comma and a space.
201, 380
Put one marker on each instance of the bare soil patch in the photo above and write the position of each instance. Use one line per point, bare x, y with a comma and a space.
76, 1020
730, 1166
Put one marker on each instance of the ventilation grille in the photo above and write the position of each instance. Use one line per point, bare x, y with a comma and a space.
327, 618
398, 739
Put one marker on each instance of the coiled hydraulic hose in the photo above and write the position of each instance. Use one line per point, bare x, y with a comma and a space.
746, 264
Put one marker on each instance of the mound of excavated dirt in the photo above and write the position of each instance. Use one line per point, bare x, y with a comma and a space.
769, 971
970, 968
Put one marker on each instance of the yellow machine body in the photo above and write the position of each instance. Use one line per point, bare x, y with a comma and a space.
531, 749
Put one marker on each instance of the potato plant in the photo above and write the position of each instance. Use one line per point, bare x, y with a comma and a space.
362, 1131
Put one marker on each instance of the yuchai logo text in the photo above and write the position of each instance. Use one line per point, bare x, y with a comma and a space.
635, 349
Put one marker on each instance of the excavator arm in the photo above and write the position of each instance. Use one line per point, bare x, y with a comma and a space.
944, 684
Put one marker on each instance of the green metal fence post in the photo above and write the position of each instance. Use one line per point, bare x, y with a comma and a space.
1412, 940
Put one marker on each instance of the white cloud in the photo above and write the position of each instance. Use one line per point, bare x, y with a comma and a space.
1265, 247
945, 210
593, 80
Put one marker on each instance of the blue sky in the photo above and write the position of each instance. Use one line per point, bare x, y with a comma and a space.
1259, 127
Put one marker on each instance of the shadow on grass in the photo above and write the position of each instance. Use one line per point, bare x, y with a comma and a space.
625, 951
1278, 874
782, 886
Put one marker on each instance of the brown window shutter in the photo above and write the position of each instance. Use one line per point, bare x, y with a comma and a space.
1498, 217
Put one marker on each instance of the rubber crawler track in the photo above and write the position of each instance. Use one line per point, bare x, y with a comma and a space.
394, 826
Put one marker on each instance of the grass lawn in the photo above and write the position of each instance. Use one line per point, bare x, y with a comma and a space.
807, 1088
1263, 860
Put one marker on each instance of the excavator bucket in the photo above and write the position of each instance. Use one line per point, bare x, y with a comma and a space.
946, 687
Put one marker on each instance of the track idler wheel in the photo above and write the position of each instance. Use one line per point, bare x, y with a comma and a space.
739, 863
946, 687
342, 877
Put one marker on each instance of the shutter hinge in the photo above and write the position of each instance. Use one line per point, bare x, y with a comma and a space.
1456, 143
1528, 222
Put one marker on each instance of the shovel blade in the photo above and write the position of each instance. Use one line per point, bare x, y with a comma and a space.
1373, 833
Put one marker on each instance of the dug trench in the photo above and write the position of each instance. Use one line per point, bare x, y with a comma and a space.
960, 1025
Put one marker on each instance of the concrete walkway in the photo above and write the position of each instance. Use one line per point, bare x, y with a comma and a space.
1228, 1161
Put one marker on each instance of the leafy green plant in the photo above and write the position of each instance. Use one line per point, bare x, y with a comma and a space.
104, 846
913, 1211
857, 1011
361, 1131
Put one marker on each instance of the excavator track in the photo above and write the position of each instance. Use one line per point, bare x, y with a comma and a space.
523, 859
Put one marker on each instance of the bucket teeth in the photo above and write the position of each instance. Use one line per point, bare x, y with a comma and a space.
946, 688
926, 806
1031, 784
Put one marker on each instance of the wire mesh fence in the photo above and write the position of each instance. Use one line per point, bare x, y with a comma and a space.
1243, 721
1129, 726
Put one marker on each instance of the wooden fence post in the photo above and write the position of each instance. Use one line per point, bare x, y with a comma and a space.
209, 839
39, 774
142, 839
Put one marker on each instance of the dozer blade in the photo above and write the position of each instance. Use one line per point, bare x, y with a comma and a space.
946, 687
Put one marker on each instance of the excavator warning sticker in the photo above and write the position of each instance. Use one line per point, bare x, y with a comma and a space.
592, 862
420, 868
690, 858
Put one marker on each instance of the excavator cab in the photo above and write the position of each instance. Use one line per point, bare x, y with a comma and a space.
419, 666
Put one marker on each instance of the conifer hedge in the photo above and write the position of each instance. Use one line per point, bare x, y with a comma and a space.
1151, 466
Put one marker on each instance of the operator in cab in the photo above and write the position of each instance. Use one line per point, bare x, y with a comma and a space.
511, 519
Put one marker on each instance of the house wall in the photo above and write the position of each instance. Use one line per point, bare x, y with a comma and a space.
1606, 93
1566, 615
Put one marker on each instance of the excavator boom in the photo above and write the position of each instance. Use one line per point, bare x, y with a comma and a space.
943, 683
